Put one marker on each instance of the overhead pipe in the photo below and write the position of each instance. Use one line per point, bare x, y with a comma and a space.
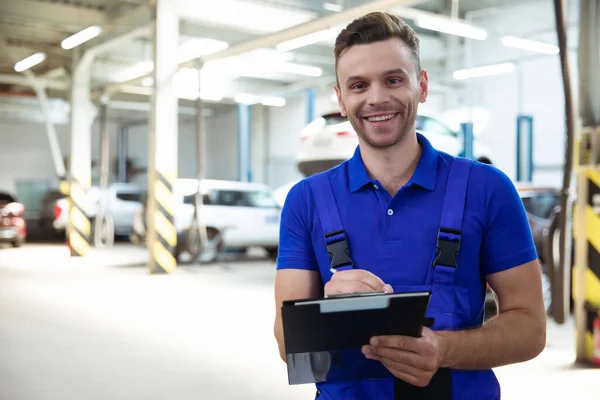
40, 91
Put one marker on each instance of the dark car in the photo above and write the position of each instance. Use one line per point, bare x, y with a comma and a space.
539, 203
13, 229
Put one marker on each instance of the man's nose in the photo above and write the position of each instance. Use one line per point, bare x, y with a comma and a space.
377, 94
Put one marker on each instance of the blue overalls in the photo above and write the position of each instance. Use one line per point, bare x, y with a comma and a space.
446, 308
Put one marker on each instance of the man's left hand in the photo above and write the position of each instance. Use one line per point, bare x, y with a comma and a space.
414, 360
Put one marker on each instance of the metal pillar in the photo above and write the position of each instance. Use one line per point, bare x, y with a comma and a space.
162, 141
103, 228
83, 114
122, 153
244, 166
311, 96
586, 282
467, 135
524, 148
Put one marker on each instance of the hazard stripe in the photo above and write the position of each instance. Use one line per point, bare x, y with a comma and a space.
164, 196
79, 245
79, 224
165, 229
163, 248
162, 259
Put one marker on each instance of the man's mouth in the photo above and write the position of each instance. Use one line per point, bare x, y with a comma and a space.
381, 117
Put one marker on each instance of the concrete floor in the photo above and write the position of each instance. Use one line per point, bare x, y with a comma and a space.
103, 328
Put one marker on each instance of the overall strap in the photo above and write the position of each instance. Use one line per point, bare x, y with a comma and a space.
450, 230
335, 236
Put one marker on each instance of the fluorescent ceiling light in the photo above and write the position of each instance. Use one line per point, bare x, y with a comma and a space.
446, 25
30, 61
307, 40
81, 37
531, 45
300, 69
243, 15
147, 82
487, 70
211, 96
273, 101
332, 7
244, 98
198, 47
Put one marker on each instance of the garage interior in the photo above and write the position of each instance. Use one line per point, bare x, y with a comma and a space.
123, 284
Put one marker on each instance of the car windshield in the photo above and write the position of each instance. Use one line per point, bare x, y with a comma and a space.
333, 119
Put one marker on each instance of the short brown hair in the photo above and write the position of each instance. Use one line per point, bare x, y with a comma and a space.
377, 27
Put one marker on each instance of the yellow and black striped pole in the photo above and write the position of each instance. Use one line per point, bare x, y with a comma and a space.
163, 239
79, 229
162, 143
586, 279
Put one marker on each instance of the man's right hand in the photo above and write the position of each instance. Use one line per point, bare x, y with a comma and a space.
355, 281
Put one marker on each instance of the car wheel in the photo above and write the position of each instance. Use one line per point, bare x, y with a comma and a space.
18, 242
272, 252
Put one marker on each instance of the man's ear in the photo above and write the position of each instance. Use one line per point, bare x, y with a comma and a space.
424, 85
338, 93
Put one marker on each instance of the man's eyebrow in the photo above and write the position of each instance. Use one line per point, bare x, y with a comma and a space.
396, 71
401, 71
353, 78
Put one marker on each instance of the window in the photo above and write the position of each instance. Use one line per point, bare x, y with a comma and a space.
529, 205
240, 198
431, 125
334, 118
261, 200
191, 199
546, 202
129, 196
231, 198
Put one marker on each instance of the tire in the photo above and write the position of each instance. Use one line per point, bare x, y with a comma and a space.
18, 242
272, 253
192, 245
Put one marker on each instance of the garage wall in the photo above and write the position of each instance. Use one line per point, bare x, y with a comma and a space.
284, 125
26, 152
535, 89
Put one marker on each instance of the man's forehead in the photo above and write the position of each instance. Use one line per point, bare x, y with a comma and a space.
376, 58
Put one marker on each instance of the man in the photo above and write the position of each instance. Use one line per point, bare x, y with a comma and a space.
402, 205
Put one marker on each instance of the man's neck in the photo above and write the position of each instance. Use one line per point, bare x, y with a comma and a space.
394, 166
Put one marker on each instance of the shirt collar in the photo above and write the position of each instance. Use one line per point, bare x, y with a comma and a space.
425, 174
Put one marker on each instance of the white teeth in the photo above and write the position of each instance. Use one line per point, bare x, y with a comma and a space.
381, 118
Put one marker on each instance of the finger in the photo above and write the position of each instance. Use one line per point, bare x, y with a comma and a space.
415, 345
401, 356
346, 287
360, 275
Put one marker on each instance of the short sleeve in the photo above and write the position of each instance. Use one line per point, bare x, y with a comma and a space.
507, 241
295, 240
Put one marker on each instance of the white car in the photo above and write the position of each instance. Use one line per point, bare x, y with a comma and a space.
120, 201
240, 214
331, 139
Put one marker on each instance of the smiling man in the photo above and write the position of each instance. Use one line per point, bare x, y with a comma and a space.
413, 219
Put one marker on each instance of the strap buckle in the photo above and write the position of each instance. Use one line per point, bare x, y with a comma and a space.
447, 247
338, 249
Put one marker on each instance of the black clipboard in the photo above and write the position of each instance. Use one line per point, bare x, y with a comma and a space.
323, 337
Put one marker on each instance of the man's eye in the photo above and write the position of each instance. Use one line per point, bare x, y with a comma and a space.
358, 86
395, 81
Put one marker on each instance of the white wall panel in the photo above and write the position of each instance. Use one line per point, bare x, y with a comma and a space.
285, 124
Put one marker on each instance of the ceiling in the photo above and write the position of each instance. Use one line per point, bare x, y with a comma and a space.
31, 26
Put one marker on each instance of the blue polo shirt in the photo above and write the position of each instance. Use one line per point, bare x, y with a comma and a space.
395, 237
